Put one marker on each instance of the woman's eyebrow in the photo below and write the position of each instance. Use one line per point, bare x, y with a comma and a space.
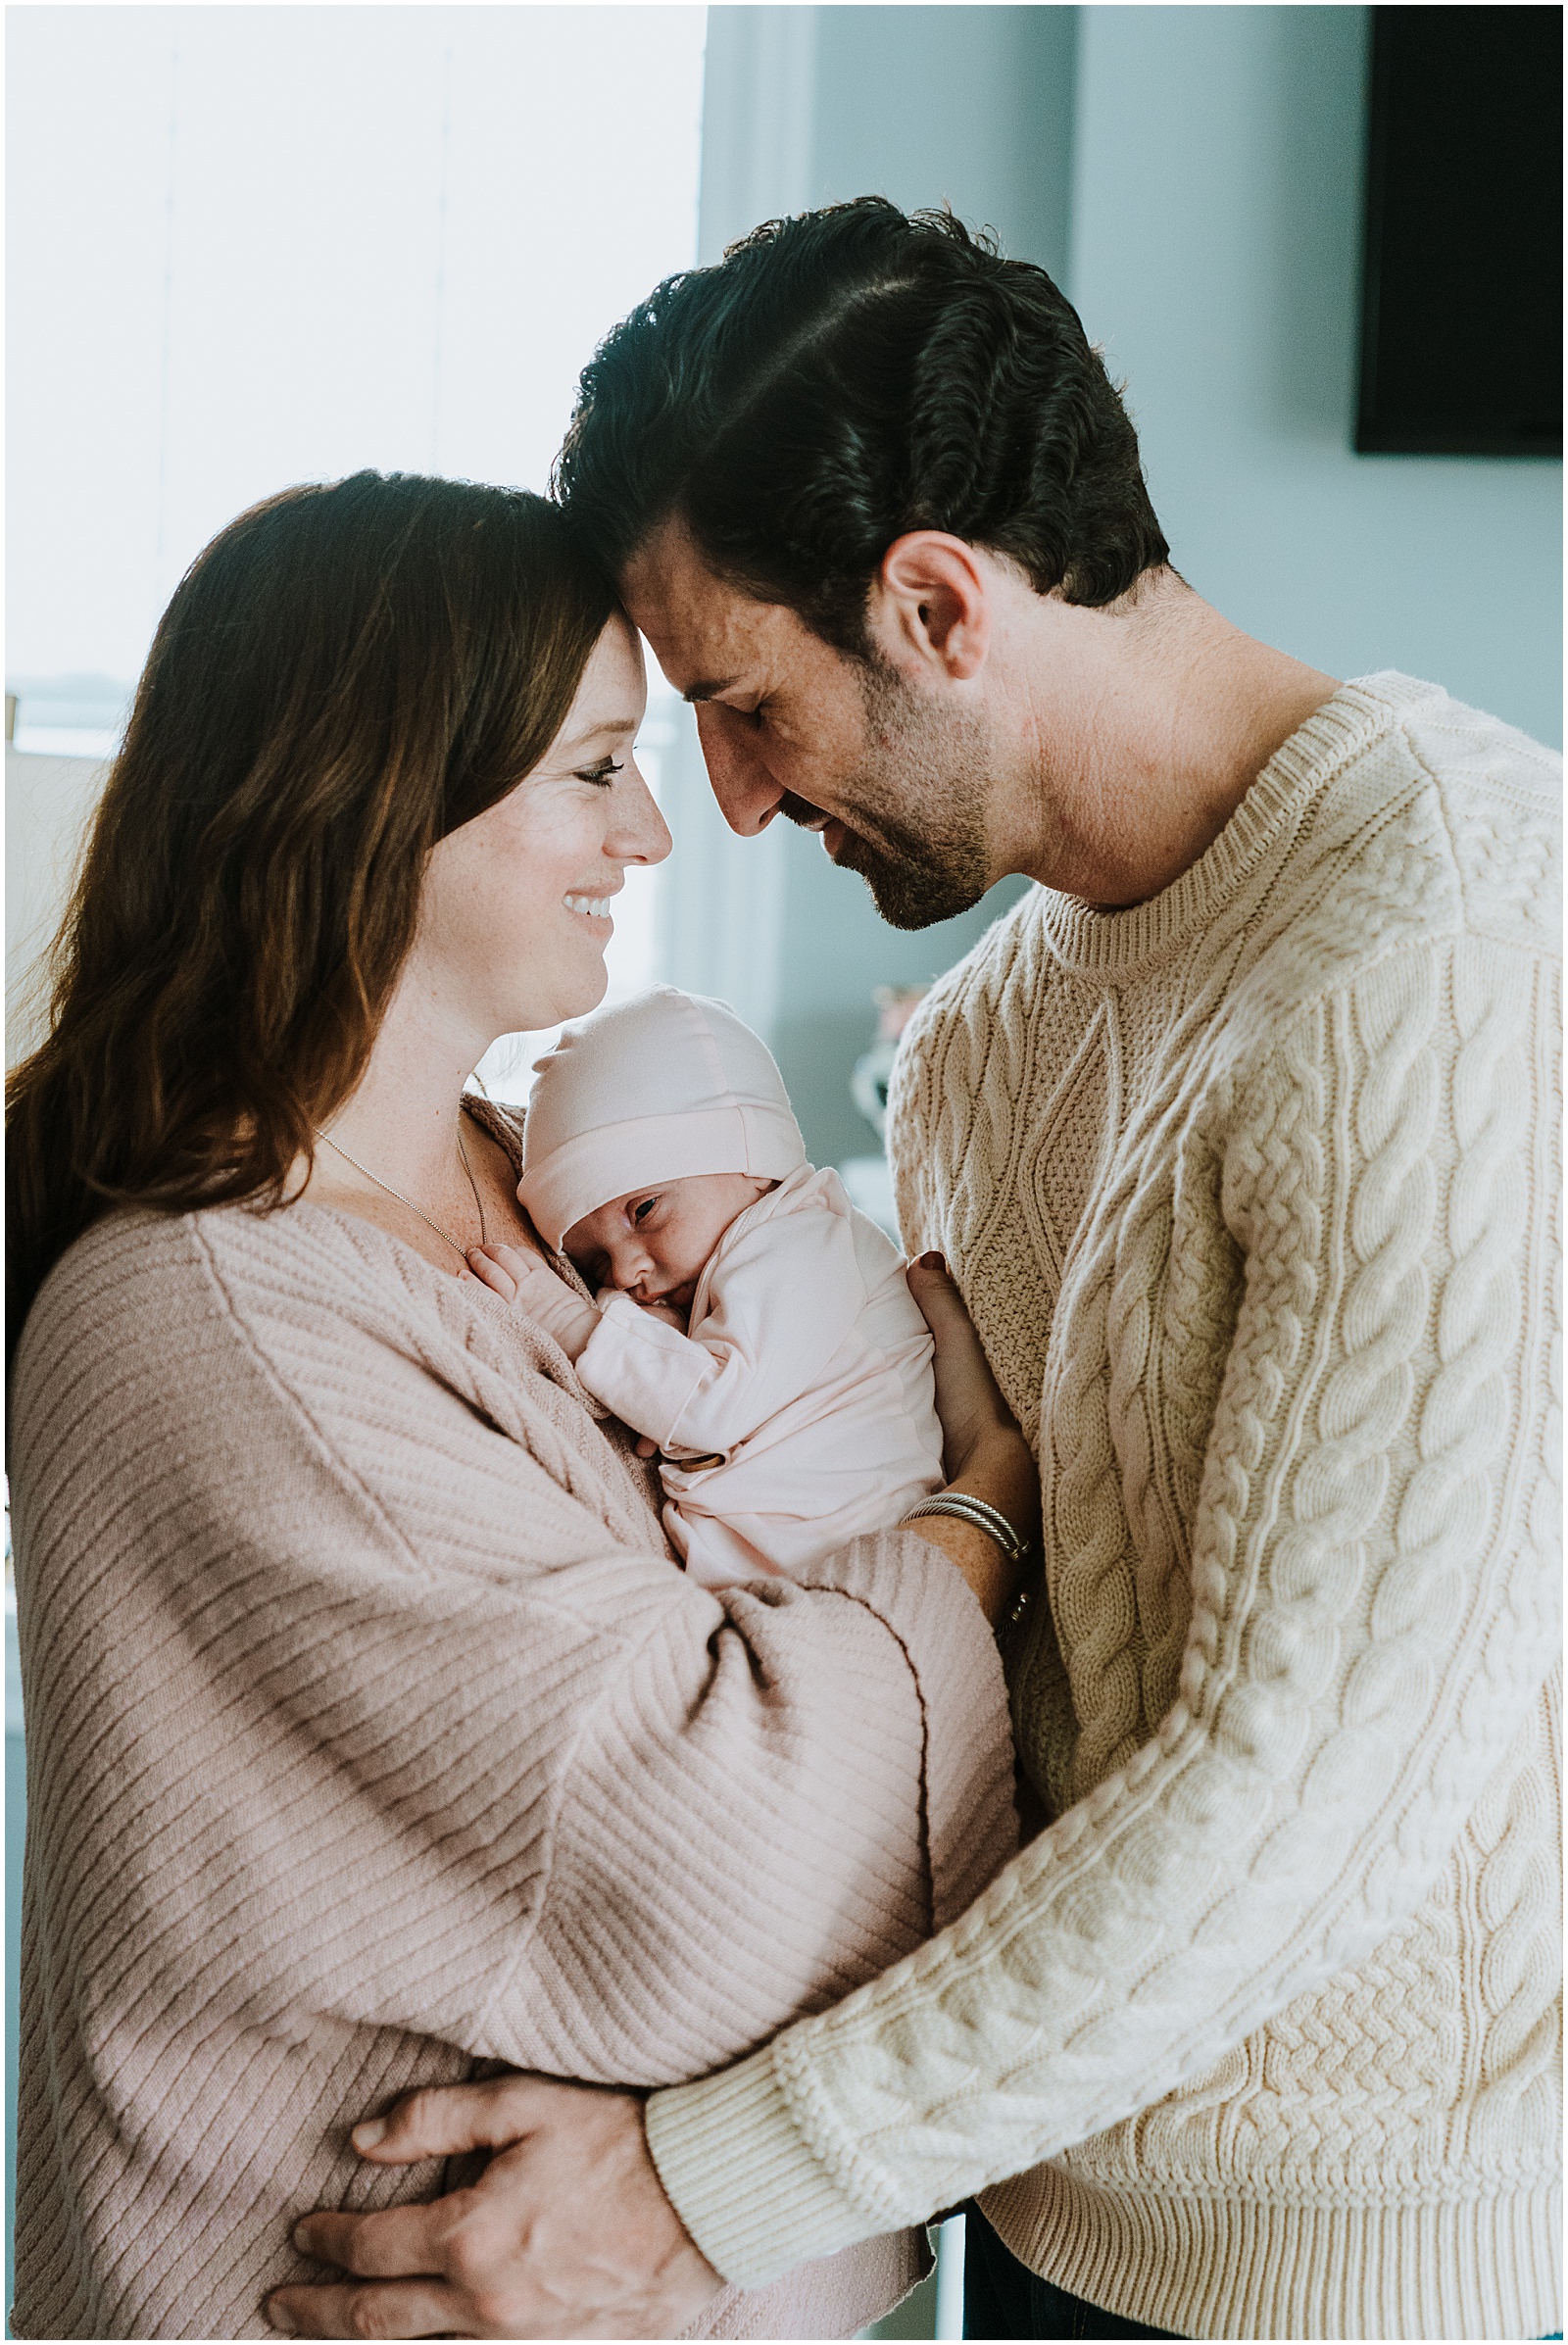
606, 724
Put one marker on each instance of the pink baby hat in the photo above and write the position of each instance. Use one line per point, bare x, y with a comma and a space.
653, 1088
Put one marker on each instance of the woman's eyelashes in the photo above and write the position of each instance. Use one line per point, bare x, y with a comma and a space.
605, 772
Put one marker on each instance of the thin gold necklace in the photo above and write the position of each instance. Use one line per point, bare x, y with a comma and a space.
462, 1252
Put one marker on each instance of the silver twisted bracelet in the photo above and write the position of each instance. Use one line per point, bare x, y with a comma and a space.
984, 1517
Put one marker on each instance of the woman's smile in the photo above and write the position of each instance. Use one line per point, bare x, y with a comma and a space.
592, 907
501, 936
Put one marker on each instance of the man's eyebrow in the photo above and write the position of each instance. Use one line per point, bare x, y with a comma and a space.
710, 688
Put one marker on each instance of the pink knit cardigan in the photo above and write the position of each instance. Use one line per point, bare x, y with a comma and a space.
373, 1734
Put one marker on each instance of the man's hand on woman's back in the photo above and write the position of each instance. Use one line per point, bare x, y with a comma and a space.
567, 2232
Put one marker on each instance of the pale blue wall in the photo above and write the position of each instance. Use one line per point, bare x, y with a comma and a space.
972, 107
1195, 174
968, 106
1215, 253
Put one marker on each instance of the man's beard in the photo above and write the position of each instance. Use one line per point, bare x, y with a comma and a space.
918, 796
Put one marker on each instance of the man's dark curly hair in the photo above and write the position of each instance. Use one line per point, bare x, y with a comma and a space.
845, 376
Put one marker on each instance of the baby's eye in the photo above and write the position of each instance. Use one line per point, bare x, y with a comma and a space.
641, 1211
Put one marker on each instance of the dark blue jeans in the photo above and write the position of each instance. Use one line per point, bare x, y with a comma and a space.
1004, 2298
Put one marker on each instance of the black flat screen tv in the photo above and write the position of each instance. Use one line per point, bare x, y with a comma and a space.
1462, 292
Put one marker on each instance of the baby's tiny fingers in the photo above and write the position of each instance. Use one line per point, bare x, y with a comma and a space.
495, 1275
510, 1257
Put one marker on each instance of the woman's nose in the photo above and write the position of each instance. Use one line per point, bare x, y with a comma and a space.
748, 795
640, 834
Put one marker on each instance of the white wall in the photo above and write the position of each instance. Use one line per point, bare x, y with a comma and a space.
255, 245
1216, 220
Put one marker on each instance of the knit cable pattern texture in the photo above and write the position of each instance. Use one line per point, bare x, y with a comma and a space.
1253, 1193
373, 1734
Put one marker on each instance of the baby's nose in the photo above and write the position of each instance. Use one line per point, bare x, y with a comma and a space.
631, 1268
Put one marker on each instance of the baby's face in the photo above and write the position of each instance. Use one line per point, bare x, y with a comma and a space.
653, 1242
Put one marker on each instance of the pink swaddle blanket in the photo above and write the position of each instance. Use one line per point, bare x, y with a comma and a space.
797, 1409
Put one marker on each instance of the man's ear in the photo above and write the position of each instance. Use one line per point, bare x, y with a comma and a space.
930, 606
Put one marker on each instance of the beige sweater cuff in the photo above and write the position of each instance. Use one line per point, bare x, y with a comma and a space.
743, 2180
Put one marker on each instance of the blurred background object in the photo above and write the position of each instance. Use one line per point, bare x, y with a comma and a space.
1451, 91
255, 245
896, 1004
869, 1179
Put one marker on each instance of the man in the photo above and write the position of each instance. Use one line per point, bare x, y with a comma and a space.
1237, 1132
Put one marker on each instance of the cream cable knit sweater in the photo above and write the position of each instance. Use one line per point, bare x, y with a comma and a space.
1253, 1191
372, 1732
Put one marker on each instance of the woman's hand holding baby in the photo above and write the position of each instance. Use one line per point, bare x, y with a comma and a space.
532, 1286
983, 1452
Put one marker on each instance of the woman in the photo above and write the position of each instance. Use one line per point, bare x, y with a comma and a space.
372, 1731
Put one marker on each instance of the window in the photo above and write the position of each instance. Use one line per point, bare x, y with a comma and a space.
253, 246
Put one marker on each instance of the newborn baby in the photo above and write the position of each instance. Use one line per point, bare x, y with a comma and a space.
749, 1321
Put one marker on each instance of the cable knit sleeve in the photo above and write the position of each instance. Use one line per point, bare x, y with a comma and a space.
1372, 1590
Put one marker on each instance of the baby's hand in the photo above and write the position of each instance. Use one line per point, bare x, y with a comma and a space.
665, 1311
531, 1286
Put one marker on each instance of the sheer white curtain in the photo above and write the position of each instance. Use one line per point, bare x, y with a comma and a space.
252, 245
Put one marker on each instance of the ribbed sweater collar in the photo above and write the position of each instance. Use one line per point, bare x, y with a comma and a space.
1115, 944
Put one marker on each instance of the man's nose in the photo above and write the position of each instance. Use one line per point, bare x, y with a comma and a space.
748, 795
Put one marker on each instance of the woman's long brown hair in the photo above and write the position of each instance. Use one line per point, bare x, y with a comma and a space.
345, 675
